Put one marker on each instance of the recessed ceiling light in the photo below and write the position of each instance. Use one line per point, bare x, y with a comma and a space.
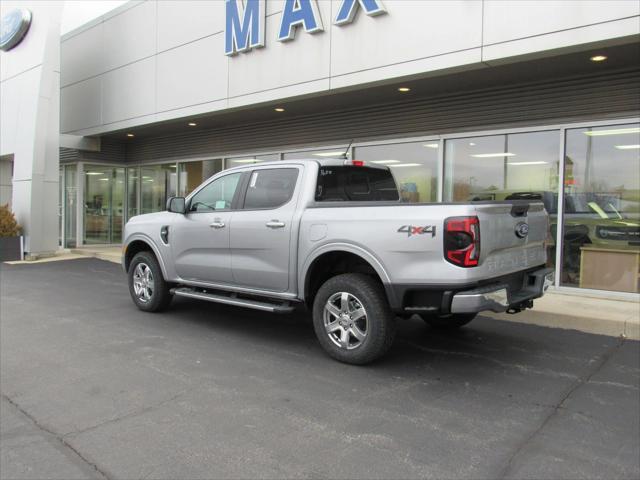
279, 109
598, 58
385, 162
432, 145
192, 124
94, 173
405, 165
615, 131
471, 144
628, 147
491, 155
328, 154
527, 163
130, 135
404, 89
246, 160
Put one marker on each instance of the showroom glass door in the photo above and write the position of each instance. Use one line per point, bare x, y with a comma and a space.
103, 204
70, 206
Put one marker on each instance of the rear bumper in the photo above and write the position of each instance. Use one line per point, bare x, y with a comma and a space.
500, 298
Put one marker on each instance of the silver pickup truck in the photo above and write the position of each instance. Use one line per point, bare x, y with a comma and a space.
334, 236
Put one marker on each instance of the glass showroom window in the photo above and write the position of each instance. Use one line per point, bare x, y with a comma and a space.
506, 167
602, 208
159, 182
414, 167
192, 174
336, 152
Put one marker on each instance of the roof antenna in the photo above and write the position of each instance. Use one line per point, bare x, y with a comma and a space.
345, 155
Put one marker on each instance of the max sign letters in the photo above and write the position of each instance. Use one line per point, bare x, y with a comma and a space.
245, 20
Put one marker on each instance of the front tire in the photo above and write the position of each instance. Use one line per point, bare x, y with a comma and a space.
352, 319
452, 321
148, 288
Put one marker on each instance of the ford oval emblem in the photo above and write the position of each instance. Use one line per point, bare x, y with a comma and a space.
522, 230
13, 28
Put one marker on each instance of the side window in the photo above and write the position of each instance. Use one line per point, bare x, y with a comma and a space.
218, 195
270, 188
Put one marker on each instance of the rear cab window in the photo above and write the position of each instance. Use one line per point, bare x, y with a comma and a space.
346, 183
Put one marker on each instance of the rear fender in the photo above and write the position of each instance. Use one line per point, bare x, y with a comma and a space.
349, 248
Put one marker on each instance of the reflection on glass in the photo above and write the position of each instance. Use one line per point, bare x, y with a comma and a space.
506, 167
104, 204
336, 152
133, 181
192, 174
414, 167
602, 208
70, 196
158, 183
499, 166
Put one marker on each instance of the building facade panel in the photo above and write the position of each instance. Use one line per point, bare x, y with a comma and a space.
413, 39
84, 104
129, 92
82, 56
181, 21
130, 36
407, 33
508, 21
184, 79
304, 59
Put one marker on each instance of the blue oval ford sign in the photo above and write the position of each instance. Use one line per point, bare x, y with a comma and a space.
522, 230
14, 27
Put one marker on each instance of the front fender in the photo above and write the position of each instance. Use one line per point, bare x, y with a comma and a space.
149, 241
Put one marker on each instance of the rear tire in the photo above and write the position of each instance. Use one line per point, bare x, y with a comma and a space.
452, 321
148, 288
352, 319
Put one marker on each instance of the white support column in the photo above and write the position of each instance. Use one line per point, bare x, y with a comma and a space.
30, 127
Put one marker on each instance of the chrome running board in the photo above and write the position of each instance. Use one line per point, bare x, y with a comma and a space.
233, 299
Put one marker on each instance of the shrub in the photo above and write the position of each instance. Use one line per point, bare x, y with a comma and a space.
8, 225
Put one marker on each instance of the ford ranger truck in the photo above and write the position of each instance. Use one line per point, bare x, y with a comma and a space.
333, 236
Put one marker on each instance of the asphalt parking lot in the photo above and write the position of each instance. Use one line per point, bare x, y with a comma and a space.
93, 388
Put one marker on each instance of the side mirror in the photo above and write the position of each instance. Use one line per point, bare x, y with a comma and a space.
176, 205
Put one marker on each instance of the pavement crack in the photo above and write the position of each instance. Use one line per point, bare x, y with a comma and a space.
58, 437
135, 413
596, 366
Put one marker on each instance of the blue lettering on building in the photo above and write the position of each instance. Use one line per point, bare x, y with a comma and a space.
244, 28
245, 20
296, 13
348, 8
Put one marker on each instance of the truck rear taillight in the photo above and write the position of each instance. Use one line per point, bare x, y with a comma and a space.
462, 241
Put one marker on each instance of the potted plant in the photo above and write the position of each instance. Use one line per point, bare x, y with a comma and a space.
10, 239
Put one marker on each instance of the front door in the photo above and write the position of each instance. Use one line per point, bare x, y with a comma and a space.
200, 238
261, 230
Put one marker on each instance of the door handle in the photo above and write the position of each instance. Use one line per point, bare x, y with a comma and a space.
217, 224
275, 224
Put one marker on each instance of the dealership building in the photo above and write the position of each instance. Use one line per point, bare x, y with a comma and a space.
463, 100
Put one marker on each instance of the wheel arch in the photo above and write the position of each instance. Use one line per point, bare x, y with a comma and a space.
331, 260
139, 244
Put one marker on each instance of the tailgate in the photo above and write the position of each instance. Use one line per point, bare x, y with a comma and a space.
512, 236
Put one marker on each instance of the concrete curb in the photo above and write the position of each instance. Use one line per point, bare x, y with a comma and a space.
617, 318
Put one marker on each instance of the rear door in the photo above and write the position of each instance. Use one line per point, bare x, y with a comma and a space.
200, 238
261, 230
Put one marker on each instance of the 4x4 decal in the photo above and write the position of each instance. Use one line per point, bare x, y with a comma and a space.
412, 230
